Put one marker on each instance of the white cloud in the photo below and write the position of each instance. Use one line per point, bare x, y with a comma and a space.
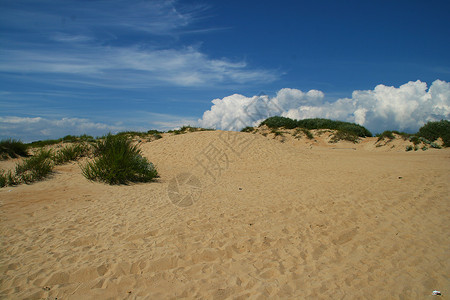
406, 108
131, 66
37, 128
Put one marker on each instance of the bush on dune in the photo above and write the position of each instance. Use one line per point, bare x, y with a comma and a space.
247, 129
118, 161
434, 130
34, 168
277, 122
71, 153
11, 148
66, 139
347, 129
188, 128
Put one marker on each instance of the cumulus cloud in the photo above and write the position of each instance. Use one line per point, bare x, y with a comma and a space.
404, 108
37, 128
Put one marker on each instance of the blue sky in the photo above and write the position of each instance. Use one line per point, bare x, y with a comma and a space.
73, 67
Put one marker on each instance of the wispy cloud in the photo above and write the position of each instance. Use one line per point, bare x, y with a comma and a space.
90, 46
37, 128
30, 129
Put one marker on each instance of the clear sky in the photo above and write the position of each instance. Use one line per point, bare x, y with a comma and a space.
73, 67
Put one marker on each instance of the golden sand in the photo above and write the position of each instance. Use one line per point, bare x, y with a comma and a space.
236, 216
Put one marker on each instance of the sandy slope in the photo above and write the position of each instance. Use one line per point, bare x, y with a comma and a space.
264, 219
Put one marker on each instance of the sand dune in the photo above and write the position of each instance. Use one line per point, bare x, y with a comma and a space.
236, 216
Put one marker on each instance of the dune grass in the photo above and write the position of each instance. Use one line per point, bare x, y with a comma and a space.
12, 148
188, 128
65, 139
35, 168
40, 165
71, 153
247, 129
118, 161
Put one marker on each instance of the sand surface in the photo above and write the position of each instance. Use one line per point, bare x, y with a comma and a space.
236, 216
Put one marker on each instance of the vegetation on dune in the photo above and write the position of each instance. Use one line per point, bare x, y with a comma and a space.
434, 130
305, 131
118, 161
277, 122
40, 165
188, 128
247, 129
427, 134
277, 132
11, 148
71, 153
32, 169
66, 139
317, 123
308, 133
132, 134
386, 134
389, 134
153, 131
35, 168
344, 136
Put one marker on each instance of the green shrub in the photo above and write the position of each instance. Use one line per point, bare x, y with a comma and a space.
344, 135
41, 144
157, 136
12, 148
66, 139
3, 180
35, 168
305, 131
409, 148
308, 133
153, 131
386, 134
434, 130
189, 128
434, 145
118, 162
247, 129
350, 128
132, 134
8, 178
70, 153
277, 122
415, 140
276, 132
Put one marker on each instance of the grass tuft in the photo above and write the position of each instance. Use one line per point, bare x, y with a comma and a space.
344, 135
386, 134
434, 130
247, 129
189, 128
118, 161
12, 148
71, 153
34, 168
